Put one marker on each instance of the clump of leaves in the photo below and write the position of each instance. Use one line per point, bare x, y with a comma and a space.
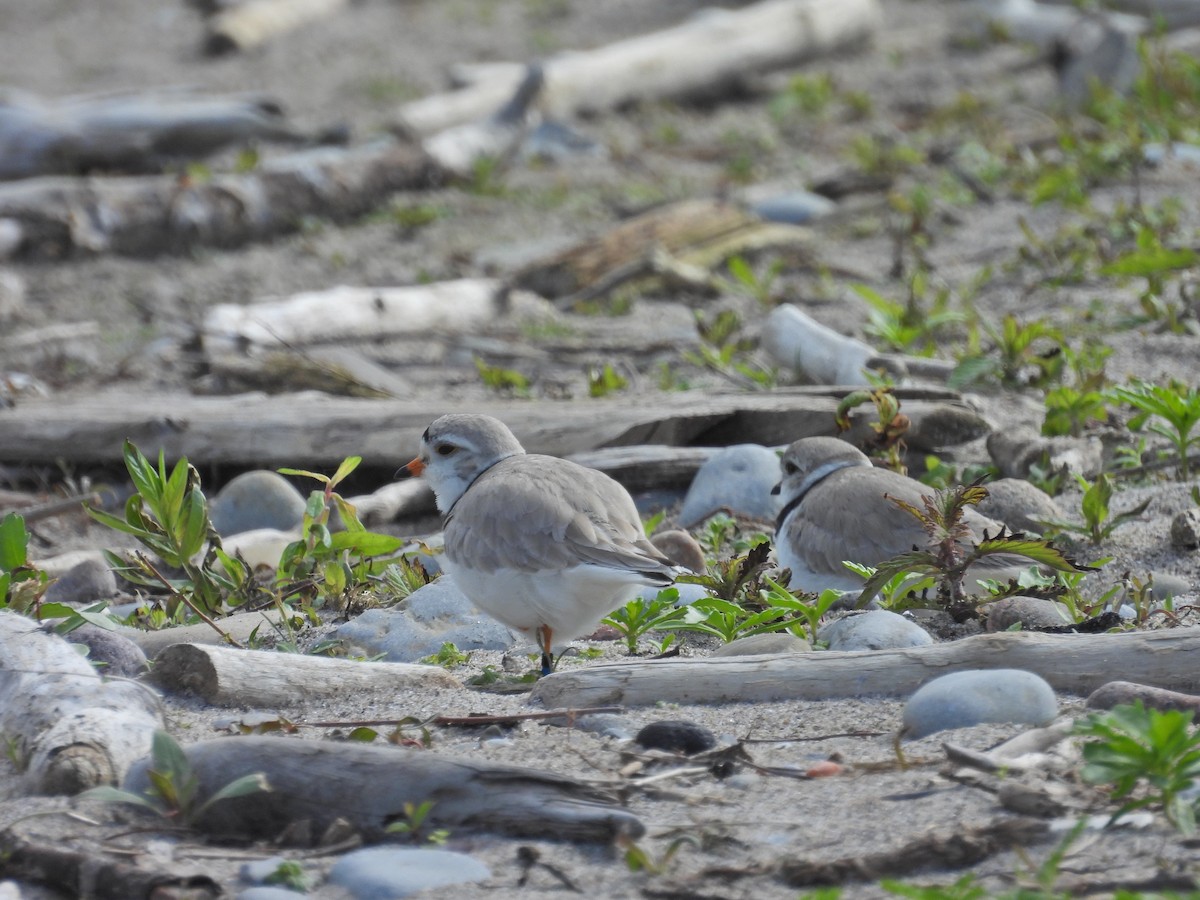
21, 584
1097, 524
404, 575
169, 516
723, 349
889, 427
605, 380
1022, 353
1153, 752
1070, 410
415, 825
952, 550
912, 326
746, 280
1170, 410
448, 656
896, 593
174, 791
501, 380
324, 564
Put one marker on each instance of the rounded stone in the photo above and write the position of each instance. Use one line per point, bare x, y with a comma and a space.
257, 499
976, 696
875, 629
1019, 505
794, 207
86, 582
383, 873
776, 642
432, 615
738, 480
1028, 612
110, 652
681, 548
676, 736
1185, 529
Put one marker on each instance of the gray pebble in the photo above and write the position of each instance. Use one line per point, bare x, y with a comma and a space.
1020, 505
738, 479
676, 736
975, 696
432, 615
384, 873
773, 642
268, 892
1185, 529
1120, 693
117, 654
681, 548
1030, 612
794, 207
87, 582
257, 499
876, 629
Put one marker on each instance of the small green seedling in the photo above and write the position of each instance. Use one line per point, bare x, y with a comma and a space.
501, 380
605, 380
448, 656
1172, 411
1097, 524
415, 825
21, 584
1154, 752
174, 791
639, 616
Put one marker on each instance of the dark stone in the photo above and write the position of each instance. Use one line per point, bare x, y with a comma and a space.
676, 736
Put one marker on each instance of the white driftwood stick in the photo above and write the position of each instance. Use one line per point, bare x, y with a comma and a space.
228, 677
257, 21
75, 730
369, 785
708, 52
797, 340
1076, 663
354, 312
392, 501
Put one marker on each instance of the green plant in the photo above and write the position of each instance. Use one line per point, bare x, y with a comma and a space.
639, 859
893, 593
290, 874
911, 326
1021, 353
448, 656
640, 615
414, 825
723, 350
404, 575
1156, 751
605, 380
805, 95
175, 787
21, 584
1097, 524
169, 516
759, 289
889, 428
324, 564
501, 380
1070, 411
1173, 409
951, 549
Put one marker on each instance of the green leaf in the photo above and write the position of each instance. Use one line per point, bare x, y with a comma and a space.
106, 793
365, 543
349, 464
1041, 552
14, 544
254, 783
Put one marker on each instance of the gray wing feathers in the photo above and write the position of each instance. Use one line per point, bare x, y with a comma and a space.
539, 512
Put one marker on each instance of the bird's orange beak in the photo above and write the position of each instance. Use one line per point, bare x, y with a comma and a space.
411, 470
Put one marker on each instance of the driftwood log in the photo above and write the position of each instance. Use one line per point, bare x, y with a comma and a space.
354, 312
72, 730
316, 430
228, 677
149, 215
1076, 663
320, 781
701, 57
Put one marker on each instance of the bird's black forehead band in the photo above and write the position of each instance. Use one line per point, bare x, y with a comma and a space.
425, 435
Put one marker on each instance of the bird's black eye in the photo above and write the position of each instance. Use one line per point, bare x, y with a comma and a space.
445, 449
790, 468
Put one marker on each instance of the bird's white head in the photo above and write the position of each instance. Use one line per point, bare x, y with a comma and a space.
455, 450
811, 459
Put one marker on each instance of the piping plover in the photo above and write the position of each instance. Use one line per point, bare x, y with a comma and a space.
834, 509
544, 545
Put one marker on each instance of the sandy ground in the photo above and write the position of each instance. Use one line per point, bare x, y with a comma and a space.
355, 69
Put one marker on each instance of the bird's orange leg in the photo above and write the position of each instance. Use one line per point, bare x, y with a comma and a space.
544, 641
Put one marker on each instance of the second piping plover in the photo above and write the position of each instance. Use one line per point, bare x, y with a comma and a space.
544, 545
835, 509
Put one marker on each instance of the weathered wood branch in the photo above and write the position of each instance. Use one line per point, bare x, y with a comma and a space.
143, 216
320, 781
74, 730
315, 430
250, 24
228, 677
1077, 663
703, 56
